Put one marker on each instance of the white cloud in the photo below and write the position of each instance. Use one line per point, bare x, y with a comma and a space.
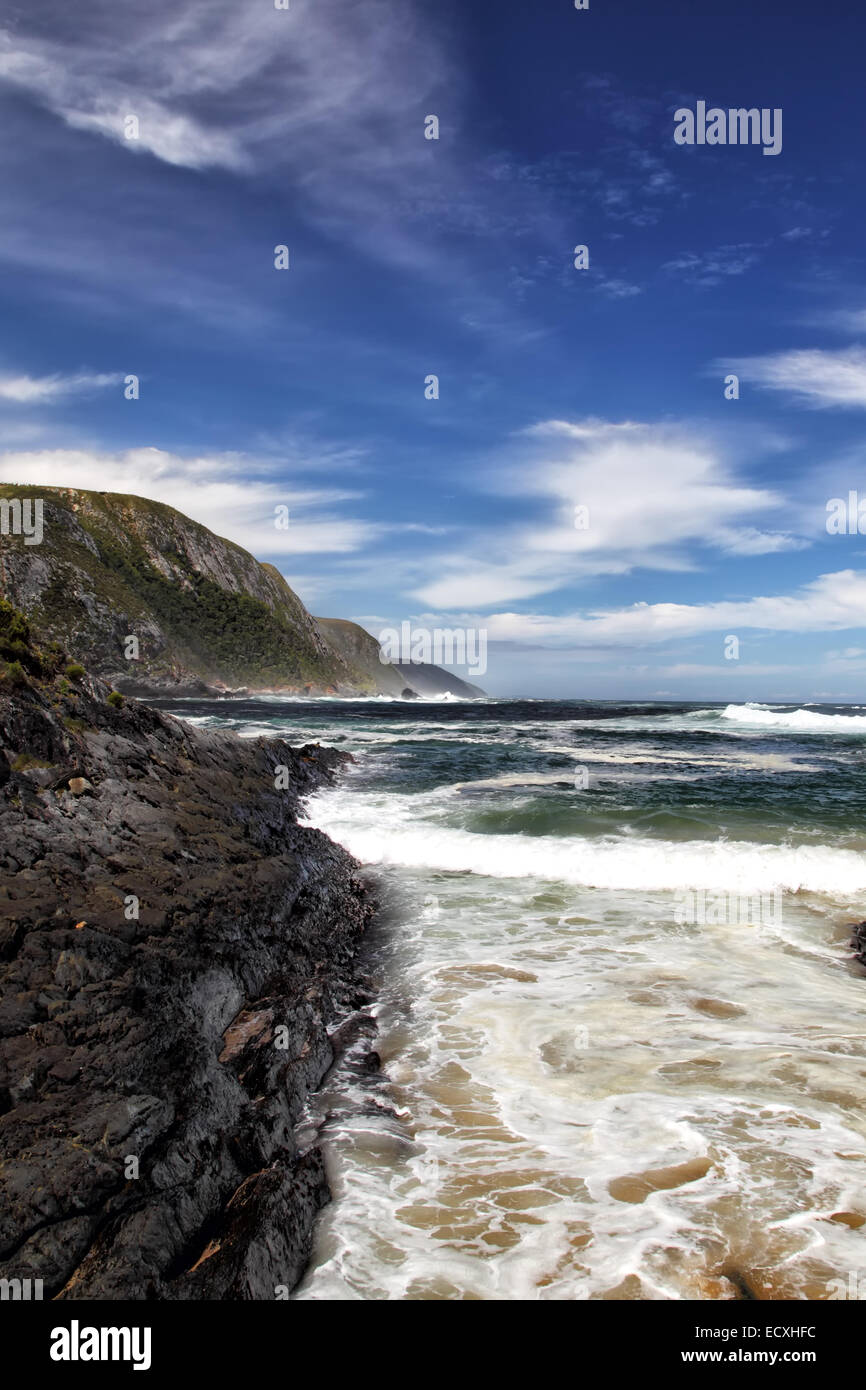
592, 427
725, 669
832, 602
817, 377
232, 495
321, 107
78, 83
653, 493
174, 138
28, 390
748, 540
846, 320
849, 659
712, 267
619, 289
232, 85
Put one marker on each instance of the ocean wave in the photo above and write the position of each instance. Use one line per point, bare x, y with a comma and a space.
799, 720
382, 834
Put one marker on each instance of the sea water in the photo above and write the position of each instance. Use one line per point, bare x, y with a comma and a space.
587, 1090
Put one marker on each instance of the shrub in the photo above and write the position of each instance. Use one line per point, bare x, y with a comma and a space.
75, 672
15, 674
115, 699
16, 645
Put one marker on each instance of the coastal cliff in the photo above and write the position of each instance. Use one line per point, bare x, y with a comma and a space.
175, 951
206, 616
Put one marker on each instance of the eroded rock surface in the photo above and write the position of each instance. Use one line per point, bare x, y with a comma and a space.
152, 1066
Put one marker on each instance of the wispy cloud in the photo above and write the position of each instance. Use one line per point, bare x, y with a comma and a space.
845, 320
816, 377
712, 267
228, 85
651, 496
831, 602
322, 105
619, 289
29, 390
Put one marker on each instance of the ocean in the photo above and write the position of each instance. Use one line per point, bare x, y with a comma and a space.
622, 1033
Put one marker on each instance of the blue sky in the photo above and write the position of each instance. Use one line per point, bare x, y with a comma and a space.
559, 387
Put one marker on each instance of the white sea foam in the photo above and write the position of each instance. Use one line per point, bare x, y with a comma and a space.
542, 1060
392, 830
550, 1028
804, 721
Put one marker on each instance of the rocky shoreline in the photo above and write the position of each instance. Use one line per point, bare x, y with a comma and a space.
175, 954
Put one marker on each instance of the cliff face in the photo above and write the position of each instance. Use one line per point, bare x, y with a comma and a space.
173, 949
420, 679
360, 651
205, 613
203, 610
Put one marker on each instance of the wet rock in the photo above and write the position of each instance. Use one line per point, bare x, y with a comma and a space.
636, 1187
174, 949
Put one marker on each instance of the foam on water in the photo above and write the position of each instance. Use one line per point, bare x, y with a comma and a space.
799, 720
582, 1094
394, 830
556, 1051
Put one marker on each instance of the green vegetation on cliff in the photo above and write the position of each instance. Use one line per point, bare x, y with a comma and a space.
112, 566
202, 610
16, 646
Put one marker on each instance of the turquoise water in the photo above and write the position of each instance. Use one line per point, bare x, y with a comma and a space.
623, 1038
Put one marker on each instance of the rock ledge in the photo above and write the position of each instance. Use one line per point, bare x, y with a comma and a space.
173, 950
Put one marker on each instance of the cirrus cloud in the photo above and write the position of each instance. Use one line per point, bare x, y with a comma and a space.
816, 377
654, 495
29, 390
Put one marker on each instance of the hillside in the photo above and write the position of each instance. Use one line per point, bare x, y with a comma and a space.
207, 615
361, 651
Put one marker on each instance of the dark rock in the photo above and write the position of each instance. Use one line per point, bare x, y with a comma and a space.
173, 951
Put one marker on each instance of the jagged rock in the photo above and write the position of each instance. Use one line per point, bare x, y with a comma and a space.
174, 948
